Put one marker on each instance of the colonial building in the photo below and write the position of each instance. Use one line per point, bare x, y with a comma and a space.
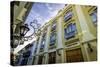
71, 36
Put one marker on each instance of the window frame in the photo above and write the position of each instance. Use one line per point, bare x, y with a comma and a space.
54, 25
68, 15
71, 30
52, 36
92, 15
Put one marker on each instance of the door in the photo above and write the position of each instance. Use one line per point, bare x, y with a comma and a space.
40, 59
74, 55
52, 58
24, 61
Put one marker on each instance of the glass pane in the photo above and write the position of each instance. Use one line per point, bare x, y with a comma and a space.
70, 28
73, 27
68, 16
67, 29
94, 17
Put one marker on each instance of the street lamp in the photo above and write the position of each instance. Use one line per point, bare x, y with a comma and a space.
21, 37
24, 29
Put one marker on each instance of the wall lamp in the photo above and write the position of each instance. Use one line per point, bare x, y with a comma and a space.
24, 29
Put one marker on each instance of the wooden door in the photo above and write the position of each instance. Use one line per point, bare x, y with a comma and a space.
40, 59
52, 58
74, 55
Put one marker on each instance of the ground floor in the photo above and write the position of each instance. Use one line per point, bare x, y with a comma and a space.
77, 52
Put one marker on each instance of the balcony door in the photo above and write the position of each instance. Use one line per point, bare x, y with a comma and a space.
74, 55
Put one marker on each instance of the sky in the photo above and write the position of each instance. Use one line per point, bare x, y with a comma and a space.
43, 12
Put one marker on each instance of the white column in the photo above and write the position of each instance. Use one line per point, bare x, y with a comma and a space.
36, 60
59, 33
46, 58
47, 39
46, 45
86, 35
62, 56
38, 49
59, 58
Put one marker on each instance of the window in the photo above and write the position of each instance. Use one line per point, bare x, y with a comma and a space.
42, 42
94, 16
25, 57
24, 61
52, 38
42, 45
53, 27
53, 35
70, 31
68, 16
36, 46
27, 54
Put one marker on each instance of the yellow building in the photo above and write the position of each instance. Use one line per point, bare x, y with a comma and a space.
69, 37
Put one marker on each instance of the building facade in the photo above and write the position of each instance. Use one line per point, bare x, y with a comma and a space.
19, 13
71, 36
